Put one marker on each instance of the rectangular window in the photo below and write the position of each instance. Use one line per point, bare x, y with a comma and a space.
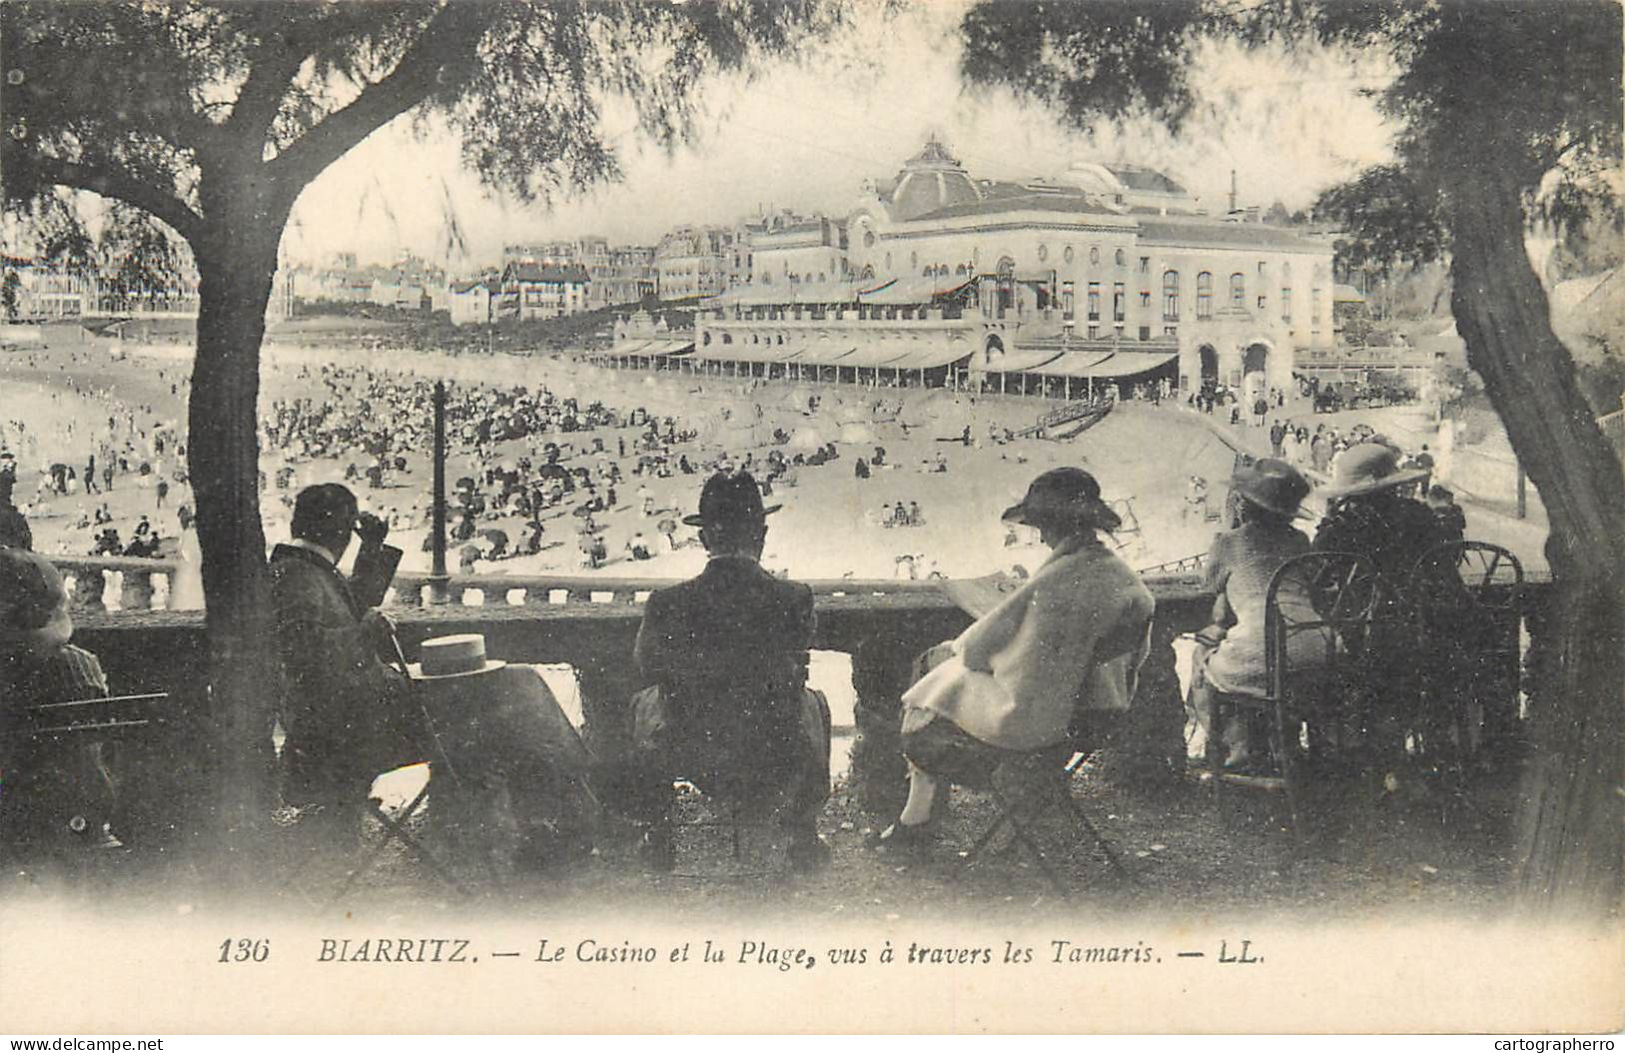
1066, 301
1170, 330
1314, 306
1145, 333
1145, 264
1119, 301
1094, 332
1094, 301
1261, 302
1145, 300
1204, 296
1286, 303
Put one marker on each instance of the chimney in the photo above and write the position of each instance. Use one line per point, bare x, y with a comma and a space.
1232, 190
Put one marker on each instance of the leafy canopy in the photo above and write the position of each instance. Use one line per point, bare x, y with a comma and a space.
141, 101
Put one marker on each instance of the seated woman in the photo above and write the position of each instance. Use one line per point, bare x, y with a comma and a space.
1230, 658
999, 706
44, 781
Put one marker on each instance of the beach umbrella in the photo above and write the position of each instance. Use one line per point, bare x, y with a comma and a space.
857, 433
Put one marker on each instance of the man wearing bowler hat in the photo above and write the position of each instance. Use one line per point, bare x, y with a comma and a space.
727, 654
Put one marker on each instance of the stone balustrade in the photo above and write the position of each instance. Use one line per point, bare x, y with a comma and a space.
132, 584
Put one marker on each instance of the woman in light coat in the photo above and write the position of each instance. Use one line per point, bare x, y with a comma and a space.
999, 703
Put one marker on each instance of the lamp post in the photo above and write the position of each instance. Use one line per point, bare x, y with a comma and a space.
438, 592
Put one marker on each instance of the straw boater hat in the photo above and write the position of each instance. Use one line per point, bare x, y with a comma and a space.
1272, 485
451, 656
1063, 493
33, 603
726, 498
1368, 467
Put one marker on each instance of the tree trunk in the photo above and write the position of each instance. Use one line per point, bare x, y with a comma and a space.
1569, 827
236, 260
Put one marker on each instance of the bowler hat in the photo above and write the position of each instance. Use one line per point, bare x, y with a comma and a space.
1068, 494
1368, 467
1271, 484
730, 498
33, 603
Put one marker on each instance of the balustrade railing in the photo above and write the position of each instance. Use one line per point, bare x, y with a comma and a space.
130, 583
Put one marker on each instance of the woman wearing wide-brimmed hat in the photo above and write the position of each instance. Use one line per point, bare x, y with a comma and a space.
1267, 496
1000, 705
1371, 512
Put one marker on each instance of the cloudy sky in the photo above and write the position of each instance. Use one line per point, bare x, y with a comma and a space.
805, 136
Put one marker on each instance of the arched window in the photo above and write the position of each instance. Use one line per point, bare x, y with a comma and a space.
1043, 253
1067, 254
1122, 258
1170, 296
1238, 290
1204, 295
1094, 254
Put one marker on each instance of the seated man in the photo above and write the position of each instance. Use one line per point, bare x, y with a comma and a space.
727, 652
345, 711
44, 781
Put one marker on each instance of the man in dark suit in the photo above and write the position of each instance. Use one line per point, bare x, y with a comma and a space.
345, 711
728, 653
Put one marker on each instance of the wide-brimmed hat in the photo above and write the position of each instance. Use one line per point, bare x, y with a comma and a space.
1066, 494
450, 656
1368, 467
731, 498
1272, 485
33, 603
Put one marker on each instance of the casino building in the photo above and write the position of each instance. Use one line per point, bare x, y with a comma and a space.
1102, 274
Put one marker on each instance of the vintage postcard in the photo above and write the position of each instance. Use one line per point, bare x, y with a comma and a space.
825, 516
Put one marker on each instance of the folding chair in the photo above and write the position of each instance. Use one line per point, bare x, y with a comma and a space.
397, 828
1023, 827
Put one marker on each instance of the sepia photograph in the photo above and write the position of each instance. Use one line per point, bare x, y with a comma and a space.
811, 517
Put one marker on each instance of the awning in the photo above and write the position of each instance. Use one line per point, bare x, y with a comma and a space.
1112, 365
874, 357
930, 358
915, 290
653, 348
744, 353
822, 354
1022, 361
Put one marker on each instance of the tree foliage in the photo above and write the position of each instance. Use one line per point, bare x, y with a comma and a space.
131, 100
1386, 220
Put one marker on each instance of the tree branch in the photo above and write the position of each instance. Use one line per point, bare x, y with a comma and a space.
447, 42
114, 183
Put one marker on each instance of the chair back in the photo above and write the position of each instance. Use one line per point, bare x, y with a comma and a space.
1463, 606
1320, 612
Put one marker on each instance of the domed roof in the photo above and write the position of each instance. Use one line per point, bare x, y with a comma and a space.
930, 180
